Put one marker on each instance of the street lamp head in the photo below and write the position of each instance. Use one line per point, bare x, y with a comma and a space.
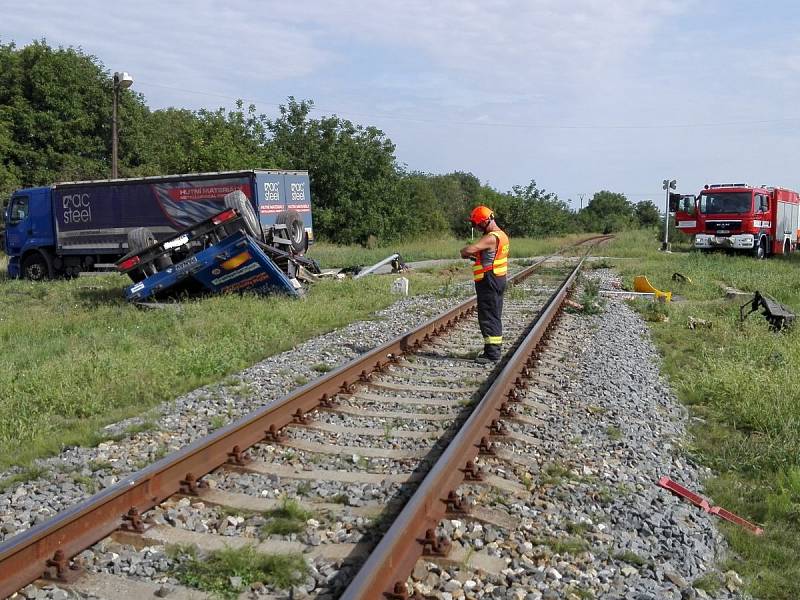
123, 79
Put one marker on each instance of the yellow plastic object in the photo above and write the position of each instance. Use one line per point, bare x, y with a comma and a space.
641, 284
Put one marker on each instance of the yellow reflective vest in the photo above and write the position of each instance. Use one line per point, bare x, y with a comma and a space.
493, 259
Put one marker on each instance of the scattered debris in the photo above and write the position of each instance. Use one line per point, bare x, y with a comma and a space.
696, 323
159, 306
626, 295
395, 260
700, 502
400, 286
641, 284
778, 315
681, 278
398, 266
731, 293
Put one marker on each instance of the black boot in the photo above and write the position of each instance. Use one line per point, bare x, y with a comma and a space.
491, 354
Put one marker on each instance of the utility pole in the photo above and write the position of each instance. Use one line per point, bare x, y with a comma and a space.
121, 81
667, 185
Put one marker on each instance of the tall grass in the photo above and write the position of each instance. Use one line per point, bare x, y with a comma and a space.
76, 355
739, 379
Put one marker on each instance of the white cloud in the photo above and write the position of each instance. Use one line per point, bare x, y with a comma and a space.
203, 45
505, 48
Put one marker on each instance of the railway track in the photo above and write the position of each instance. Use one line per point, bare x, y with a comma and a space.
378, 452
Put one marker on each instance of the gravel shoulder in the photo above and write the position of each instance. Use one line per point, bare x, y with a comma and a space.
595, 524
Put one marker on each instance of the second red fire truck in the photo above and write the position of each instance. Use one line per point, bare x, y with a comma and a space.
736, 216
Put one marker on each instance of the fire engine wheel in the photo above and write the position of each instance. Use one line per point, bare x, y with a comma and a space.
760, 251
36, 267
295, 229
240, 202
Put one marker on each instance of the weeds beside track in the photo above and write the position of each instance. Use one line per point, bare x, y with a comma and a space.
739, 382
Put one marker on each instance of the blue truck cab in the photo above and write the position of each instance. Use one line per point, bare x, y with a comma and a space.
29, 227
64, 229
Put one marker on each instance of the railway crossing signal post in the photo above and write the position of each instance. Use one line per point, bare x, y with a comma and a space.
667, 185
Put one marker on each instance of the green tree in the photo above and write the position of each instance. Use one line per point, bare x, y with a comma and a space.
647, 214
530, 211
607, 212
422, 209
354, 178
55, 116
183, 141
52, 116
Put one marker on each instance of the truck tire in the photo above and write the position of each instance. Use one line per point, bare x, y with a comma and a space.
760, 251
140, 239
240, 202
37, 266
295, 229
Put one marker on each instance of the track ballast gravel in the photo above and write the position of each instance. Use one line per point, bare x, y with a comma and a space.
595, 524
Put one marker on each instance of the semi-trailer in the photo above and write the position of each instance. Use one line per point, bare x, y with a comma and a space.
66, 228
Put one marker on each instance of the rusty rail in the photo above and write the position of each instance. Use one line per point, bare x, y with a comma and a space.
412, 533
46, 549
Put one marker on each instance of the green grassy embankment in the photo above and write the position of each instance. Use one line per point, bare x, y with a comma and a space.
739, 380
76, 356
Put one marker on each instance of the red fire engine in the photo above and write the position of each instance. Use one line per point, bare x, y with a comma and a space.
761, 220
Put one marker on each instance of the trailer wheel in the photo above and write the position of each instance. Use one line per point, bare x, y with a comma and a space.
140, 238
36, 267
240, 202
295, 229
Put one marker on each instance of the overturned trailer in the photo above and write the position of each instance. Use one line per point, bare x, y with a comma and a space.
224, 253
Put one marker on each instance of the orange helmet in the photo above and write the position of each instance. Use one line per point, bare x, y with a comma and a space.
480, 214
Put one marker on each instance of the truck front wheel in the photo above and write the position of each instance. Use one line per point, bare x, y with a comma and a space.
760, 251
36, 267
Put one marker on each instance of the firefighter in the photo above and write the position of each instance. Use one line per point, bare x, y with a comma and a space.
490, 254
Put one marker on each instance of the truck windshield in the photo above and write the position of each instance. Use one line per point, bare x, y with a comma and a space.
726, 202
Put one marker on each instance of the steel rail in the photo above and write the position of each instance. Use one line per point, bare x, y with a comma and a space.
412, 533
46, 549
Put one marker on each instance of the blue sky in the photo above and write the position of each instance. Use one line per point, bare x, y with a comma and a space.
580, 95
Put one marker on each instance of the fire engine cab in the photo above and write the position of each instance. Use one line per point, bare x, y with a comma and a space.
736, 216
